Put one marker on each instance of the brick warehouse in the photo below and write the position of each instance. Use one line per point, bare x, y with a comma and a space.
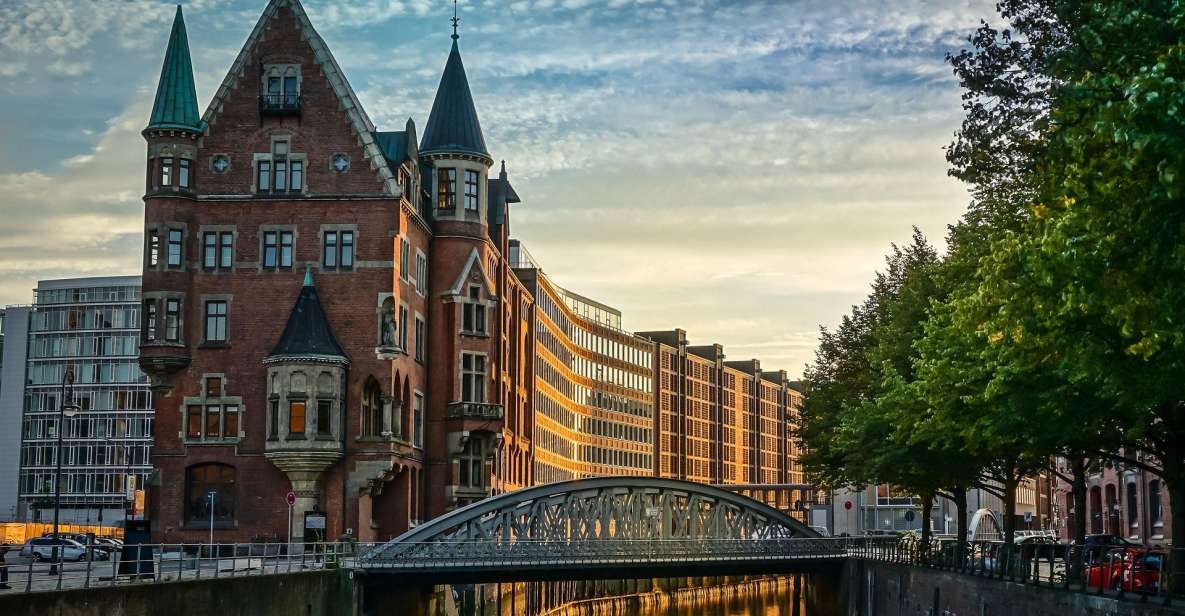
332, 310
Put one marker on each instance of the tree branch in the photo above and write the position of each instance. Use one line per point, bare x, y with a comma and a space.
1134, 462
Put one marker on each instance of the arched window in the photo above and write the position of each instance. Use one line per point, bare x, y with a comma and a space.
202, 480
1133, 504
372, 409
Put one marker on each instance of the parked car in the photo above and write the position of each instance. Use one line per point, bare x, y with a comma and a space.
42, 548
98, 544
1097, 545
1133, 569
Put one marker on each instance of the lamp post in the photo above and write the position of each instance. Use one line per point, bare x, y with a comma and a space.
66, 408
211, 495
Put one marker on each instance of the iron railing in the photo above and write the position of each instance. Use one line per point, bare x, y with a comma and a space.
473, 410
279, 104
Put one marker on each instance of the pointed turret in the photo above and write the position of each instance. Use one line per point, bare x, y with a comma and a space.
452, 125
176, 97
307, 336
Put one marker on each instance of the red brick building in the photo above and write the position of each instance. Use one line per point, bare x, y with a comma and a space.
301, 267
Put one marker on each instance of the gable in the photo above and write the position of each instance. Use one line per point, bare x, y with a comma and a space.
246, 64
473, 266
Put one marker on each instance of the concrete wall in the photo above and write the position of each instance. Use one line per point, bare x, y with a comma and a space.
883, 589
319, 593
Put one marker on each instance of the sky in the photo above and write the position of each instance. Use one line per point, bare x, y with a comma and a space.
733, 168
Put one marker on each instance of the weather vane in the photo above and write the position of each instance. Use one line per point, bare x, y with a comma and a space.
456, 20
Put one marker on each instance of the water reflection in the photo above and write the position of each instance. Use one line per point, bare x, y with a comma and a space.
739, 596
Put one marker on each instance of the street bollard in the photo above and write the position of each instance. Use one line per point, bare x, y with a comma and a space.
29, 577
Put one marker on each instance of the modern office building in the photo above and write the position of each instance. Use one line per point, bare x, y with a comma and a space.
90, 325
594, 384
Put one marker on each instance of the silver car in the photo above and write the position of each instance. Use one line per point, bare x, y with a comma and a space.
42, 548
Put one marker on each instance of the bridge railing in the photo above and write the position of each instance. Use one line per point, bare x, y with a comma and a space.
36, 569
1142, 573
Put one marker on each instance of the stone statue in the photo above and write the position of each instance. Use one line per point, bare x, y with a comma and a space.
388, 327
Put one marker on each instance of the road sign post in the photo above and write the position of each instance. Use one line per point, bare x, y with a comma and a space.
290, 498
211, 495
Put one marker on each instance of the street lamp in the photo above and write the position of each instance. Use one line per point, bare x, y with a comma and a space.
211, 495
66, 408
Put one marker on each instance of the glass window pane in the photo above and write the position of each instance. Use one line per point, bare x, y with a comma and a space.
296, 418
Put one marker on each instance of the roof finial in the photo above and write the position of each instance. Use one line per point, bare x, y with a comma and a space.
308, 275
456, 20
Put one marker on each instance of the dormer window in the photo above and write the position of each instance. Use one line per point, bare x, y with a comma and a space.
280, 90
473, 318
446, 189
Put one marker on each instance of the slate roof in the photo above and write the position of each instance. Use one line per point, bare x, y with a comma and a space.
452, 124
393, 145
176, 96
307, 336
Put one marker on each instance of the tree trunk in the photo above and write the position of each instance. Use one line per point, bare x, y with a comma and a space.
927, 511
1004, 562
1174, 479
960, 494
1074, 557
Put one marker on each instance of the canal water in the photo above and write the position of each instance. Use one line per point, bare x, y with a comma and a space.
798, 595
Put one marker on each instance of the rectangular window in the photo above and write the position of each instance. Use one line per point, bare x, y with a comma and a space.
472, 464
323, 415
421, 274
226, 249
421, 340
297, 176
153, 247
295, 419
290, 92
193, 422
173, 320
209, 250
174, 248
473, 373
216, 321
471, 190
285, 249
150, 320
281, 175
418, 420
230, 421
404, 256
213, 422
473, 317
446, 189
403, 328
270, 247
213, 387
183, 172
166, 172
264, 181
347, 256
329, 252
273, 416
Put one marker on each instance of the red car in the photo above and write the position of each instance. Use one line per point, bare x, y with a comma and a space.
1132, 569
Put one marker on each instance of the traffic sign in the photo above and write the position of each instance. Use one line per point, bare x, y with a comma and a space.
1028, 517
290, 499
847, 505
909, 515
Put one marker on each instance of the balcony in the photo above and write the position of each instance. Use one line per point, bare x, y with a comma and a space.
279, 104
474, 410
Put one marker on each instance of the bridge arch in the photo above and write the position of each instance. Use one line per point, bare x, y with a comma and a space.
594, 510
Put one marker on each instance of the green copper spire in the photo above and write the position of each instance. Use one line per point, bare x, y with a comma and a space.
308, 275
176, 97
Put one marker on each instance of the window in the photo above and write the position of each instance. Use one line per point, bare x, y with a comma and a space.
209, 250
338, 250
174, 248
277, 173
403, 328
226, 249
1133, 504
471, 191
372, 409
296, 419
166, 172
150, 320
213, 422
277, 249
183, 172
472, 464
264, 181
421, 273
296, 176
421, 340
153, 247
216, 321
209, 493
418, 420
1155, 507
473, 373
404, 257
173, 320
193, 422
473, 312
324, 413
446, 189
213, 387
230, 421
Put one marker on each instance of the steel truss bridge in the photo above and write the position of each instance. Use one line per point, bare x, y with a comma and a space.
604, 527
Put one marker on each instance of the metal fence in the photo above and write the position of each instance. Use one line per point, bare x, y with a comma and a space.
1138, 572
